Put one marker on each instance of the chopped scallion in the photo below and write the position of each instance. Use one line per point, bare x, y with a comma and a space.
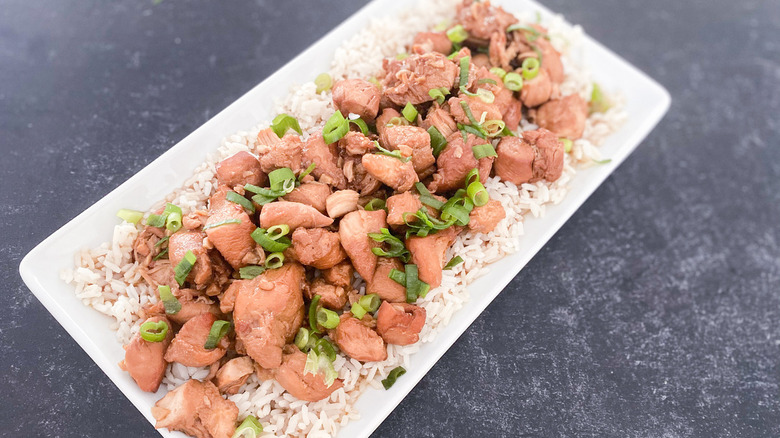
172, 305
361, 125
324, 82
394, 154
397, 276
478, 194
464, 71
275, 260
315, 302
130, 216
498, 71
273, 245
370, 302
153, 331
530, 68
302, 338
494, 127
567, 144
393, 376
220, 223
182, 270
327, 318
281, 180
277, 231
438, 94
335, 128
240, 200
397, 248
283, 123
598, 102
375, 204
410, 112
218, 330
250, 272
483, 151
438, 142
308, 170
357, 310
249, 428
457, 34
608, 160
455, 261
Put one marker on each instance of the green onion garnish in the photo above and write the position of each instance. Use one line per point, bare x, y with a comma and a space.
308, 170
455, 261
457, 212
498, 71
161, 220
457, 34
323, 81
220, 223
283, 123
409, 112
394, 154
393, 376
567, 144
182, 270
249, 428
161, 241
513, 81
375, 81
277, 231
357, 310
487, 81
535, 33
162, 254
397, 121
412, 282
506, 132
218, 330
325, 347
335, 128
327, 318
273, 245
401, 56
315, 302
173, 222
493, 127
598, 102
397, 248
438, 142
397, 276
483, 151
375, 204
486, 96
130, 216
152, 331
370, 302
438, 94
608, 160
474, 123
464, 71
281, 180
275, 260
426, 197
156, 220
468, 129
478, 194
530, 68
172, 305
472, 176
360, 124
240, 200
250, 272
302, 338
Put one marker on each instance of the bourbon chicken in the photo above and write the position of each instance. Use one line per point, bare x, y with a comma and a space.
323, 242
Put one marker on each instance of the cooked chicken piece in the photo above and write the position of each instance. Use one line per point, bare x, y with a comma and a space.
479, 109
145, 247
565, 117
355, 143
287, 153
417, 139
196, 219
294, 214
455, 162
303, 386
481, 60
481, 19
145, 360
357, 339
485, 218
391, 171
410, 79
497, 52
513, 114
441, 119
218, 415
331, 296
188, 348
232, 240
400, 323
233, 374
240, 169
538, 90
159, 272
267, 137
428, 254
310, 193
268, 313
197, 409
183, 241
433, 42
192, 305
340, 275
551, 58
358, 179
325, 157
397, 205
228, 298
503, 97
382, 285
317, 247
341, 202
353, 231
383, 122
357, 96
537, 155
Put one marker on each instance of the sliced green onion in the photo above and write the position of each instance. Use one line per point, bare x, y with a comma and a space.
457, 34
262, 199
173, 222
401, 56
483, 151
608, 160
360, 124
457, 212
455, 261
410, 112
274, 260
426, 197
277, 231
335, 128
357, 310
375, 81
506, 132
315, 302
130, 216
253, 188
370, 302
494, 127
487, 96
327, 318
261, 237
249, 428
567, 144
250, 272
283, 123
438, 142
312, 364
487, 81
397, 121
472, 176
469, 114
182, 270
393, 376
397, 276
152, 331
172, 305
464, 71
530, 68
281, 180
513, 81
498, 71
394, 154
598, 102
162, 254
424, 289
438, 94
534, 34
469, 129
302, 338
156, 220
218, 330
220, 223
240, 200
313, 338
308, 170
478, 194
397, 248
324, 82
375, 204
161, 241
412, 282
325, 347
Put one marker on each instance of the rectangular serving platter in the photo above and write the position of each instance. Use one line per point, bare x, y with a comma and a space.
646, 103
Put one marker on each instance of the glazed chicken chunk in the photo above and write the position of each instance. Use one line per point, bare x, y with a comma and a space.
145, 361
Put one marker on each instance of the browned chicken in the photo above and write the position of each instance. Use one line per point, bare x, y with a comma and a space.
192, 305
325, 157
294, 214
268, 313
145, 246
355, 143
565, 117
341, 202
358, 340
410, 79
395, 173
317, 247
353, 231
286, 153
340, 275
303, 386
197, 409
515, 160
383, 122
441, 119
398, 205
485, 218
267, 137
538, 90
513, 114
417, 139
357, 96
481, 19
358, 179
432, 42
239, 169
233, 374
497, 53
228, 298
428, 254
331, 296
232, 240
400, 323
187, 348
479, 109
145, 360
310, 193
382, 285
455, 162
538, 155
183, 241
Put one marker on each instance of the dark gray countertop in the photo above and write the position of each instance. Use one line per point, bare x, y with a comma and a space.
654, 312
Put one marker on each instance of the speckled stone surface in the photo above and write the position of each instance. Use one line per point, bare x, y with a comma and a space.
654, 312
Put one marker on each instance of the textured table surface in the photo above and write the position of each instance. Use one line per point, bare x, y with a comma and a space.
654, 312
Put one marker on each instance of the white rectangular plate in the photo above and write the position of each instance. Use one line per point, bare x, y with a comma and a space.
646, 103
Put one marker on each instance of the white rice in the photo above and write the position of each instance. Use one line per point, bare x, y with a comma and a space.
107, 279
